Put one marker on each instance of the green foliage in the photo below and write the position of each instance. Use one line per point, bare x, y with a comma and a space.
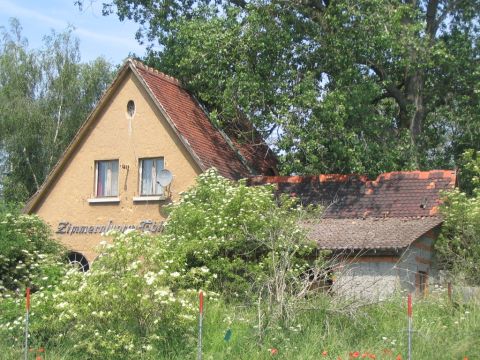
459, 242
380, 329
233, 233
469, 177
128, 305
340, 86
28, 255
45, 95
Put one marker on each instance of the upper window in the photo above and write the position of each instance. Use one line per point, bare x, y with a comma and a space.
106, 178
149, 176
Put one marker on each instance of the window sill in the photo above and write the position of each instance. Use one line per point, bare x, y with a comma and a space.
103, 200
149, 198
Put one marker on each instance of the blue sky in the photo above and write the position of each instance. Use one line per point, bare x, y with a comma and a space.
99, 35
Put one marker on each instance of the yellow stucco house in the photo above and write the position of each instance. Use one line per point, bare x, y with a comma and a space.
110, 175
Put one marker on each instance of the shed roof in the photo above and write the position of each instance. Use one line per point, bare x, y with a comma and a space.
391, 211
394, 194
369, 233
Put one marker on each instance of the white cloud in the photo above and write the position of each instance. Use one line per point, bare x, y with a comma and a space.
11, 9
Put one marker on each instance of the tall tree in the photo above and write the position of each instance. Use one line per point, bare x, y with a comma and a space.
45, 95
349, 86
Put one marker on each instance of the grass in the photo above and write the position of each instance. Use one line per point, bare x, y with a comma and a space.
442, 331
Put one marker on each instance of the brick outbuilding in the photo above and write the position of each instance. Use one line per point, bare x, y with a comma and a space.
381, 231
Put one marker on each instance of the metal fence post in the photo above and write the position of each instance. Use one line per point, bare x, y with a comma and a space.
410, 313
200, 326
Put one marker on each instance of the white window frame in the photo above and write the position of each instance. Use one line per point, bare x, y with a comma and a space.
147, 197
105, 198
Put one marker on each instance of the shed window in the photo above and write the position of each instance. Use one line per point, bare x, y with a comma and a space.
106, 178
149, 176
422, 283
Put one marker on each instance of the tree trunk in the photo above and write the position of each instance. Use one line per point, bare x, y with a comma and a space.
414, 89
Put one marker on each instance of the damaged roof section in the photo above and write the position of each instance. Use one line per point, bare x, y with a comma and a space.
391, 211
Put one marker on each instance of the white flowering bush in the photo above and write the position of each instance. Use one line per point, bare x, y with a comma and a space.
140, 297
229, 235
127, 306
28, 255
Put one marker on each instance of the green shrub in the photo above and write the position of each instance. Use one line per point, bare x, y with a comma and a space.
458, 246
234, 235
28, 255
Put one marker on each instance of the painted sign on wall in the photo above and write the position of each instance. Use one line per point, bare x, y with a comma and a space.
67, 228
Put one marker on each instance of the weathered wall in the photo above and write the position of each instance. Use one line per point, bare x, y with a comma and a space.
114, 135
367, 277
418, 257
379, 276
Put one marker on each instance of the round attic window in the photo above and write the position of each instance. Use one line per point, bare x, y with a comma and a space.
130, 108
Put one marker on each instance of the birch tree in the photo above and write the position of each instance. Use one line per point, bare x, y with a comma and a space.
45, 95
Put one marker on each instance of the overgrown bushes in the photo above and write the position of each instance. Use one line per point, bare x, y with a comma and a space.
129, 305
458, 246
28, 256
138, 299
235, 234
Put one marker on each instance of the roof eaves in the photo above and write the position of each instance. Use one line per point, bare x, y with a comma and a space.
37, 196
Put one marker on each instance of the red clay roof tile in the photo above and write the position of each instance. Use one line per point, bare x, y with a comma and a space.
233, 158
395, 194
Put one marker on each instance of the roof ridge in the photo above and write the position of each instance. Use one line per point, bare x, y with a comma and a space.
229, 142
412, 174
153, 71
307, 178
368, 217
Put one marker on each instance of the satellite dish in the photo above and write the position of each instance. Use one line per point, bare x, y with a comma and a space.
164, 177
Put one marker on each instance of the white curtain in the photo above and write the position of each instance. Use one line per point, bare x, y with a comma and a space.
107, 178
150, 172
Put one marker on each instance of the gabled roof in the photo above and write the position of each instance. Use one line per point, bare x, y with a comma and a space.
232, 157
391, 211
208, 146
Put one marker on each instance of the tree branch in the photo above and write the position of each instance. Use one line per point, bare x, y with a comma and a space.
37, 185
391, 89
431, 18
